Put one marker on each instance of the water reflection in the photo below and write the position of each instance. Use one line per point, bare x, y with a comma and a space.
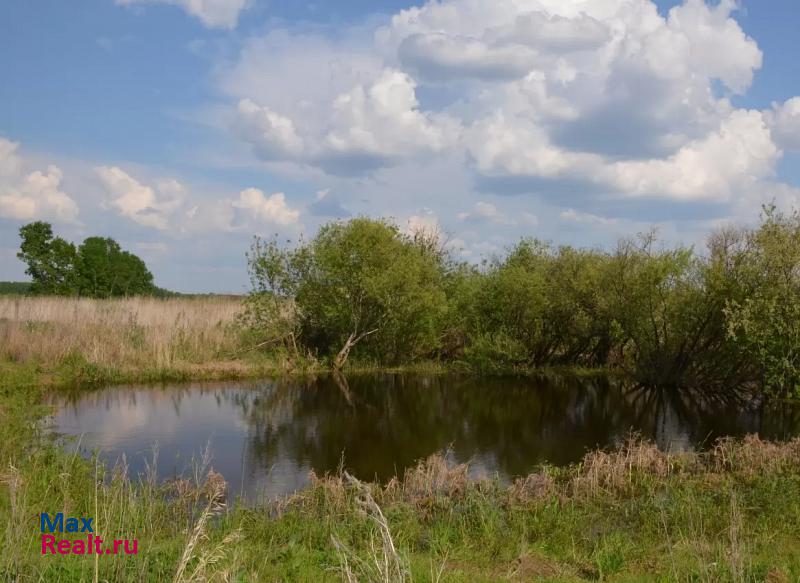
266, 436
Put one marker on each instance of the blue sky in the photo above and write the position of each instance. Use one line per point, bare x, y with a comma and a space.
183, 131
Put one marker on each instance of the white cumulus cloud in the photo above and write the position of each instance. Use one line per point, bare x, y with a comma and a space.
149, 206
383, 119
784, 120
585, 111
371, 125
35, 195
272, 135
169, 205
438, 56
270, 209
736, 156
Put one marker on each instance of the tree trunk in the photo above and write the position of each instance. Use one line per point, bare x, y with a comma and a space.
352, 340
341, 358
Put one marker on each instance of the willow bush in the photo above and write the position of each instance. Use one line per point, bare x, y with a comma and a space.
722, 319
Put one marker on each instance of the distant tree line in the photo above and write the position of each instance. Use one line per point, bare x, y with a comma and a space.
97, 268
14, 287
668, 316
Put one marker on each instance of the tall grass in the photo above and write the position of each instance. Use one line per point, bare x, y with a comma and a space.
124, 334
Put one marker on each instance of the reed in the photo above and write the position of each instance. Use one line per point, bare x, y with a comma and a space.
131, 334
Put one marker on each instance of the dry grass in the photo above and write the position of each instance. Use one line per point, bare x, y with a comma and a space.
705, 524
601, 473
434, 478
124, 334
753, 456
208, 559
385, 563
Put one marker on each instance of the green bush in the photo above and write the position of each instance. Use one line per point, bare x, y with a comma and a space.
722, 320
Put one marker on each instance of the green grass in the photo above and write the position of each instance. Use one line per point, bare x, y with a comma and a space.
631, 515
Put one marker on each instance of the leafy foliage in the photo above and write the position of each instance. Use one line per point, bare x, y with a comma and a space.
105, 270
544, 304
721, 320
97, 268
363, 279
765, 321
51, 260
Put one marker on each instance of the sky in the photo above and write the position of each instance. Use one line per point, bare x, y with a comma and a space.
182, 128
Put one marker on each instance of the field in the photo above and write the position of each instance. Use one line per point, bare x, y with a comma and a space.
145, 338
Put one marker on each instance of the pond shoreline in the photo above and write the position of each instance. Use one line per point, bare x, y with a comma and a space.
630, 514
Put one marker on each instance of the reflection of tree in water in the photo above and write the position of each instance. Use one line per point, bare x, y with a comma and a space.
383, 423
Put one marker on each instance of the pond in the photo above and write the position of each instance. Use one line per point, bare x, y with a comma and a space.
266, 436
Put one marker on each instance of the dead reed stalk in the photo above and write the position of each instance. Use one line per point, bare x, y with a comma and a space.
616, 470
386, 564
130, 332
215, 555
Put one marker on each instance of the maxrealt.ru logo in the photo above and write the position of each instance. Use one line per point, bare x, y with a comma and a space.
91, 545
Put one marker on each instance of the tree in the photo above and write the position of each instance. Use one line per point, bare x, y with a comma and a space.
360, 280
667, 306
105, 270
723, 321
540, 306
98, 268
765, 321
51, 260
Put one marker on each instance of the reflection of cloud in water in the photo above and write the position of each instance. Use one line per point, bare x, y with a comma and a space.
267, 436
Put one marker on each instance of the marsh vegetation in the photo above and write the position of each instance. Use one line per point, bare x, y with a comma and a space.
633, 513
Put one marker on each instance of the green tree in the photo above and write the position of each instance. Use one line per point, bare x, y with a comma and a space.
667, 306
98, 268
50, 260
765, 321
105, 270
668, 316
360, 280
540, 306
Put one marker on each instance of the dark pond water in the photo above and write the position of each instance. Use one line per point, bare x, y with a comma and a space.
266, 436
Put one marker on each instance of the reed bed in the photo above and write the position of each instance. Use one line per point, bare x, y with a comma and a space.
131, 333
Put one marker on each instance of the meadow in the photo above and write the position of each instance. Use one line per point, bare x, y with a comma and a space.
82, 340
